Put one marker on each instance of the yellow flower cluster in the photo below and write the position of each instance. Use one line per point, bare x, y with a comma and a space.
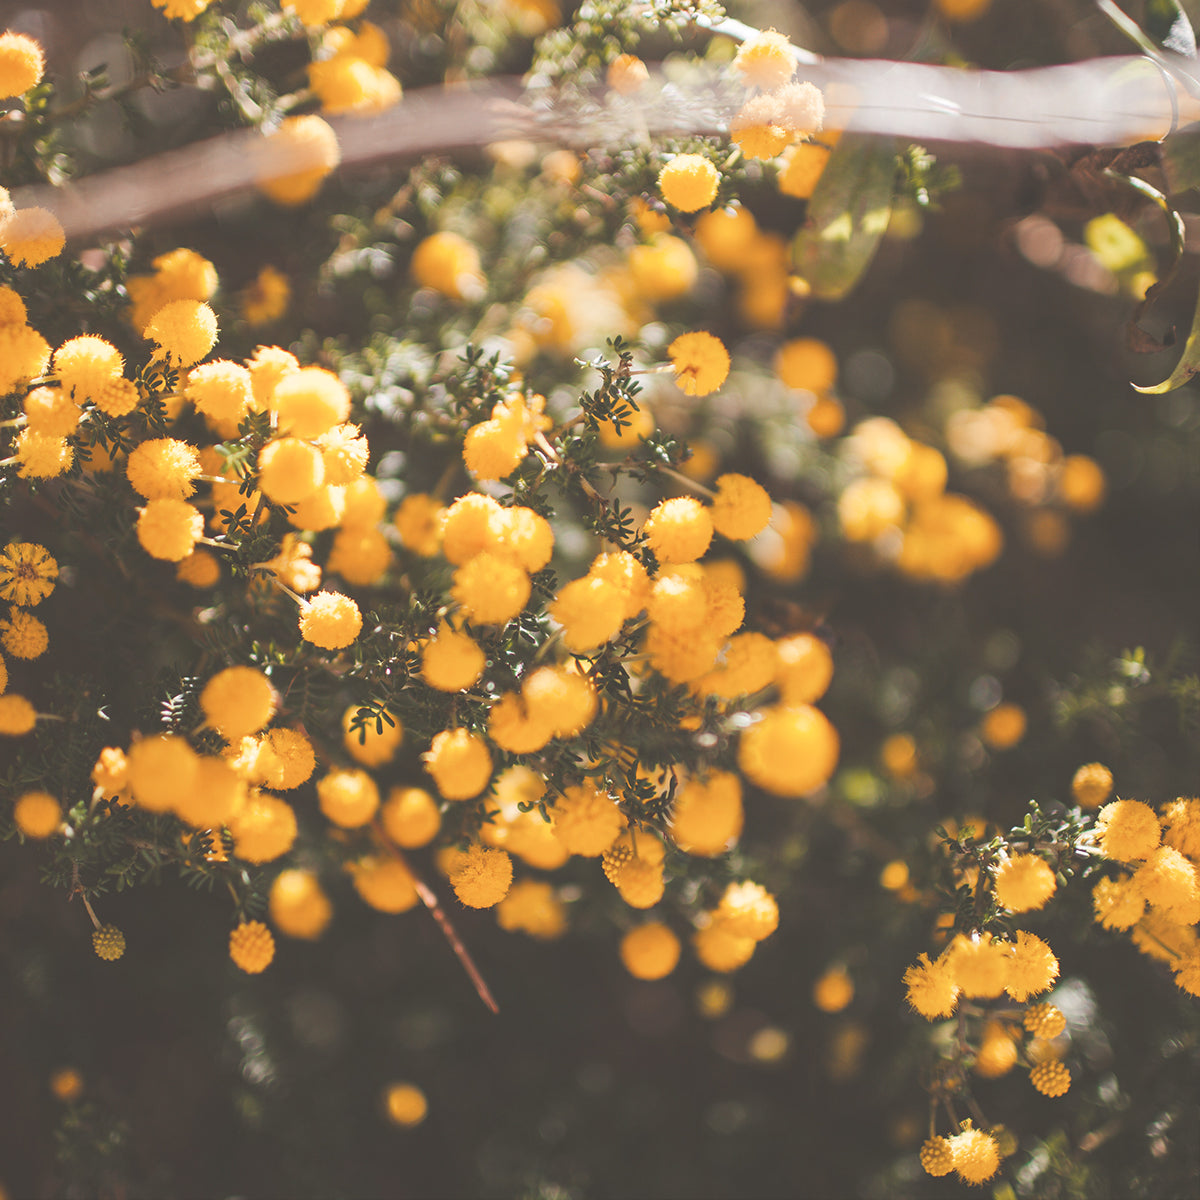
354, 78
1158, 898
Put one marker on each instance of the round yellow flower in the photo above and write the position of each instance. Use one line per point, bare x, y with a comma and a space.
452, 661
161, 767
1024, 882
459, 762
933, 990
1032, 967
348, 798
32, 236
263, 829
976, 1155
238, 701
296, 158
586, 819
374, 742
84, 365
1128, 830
17, 715
252, 947
448, 263
23, 635
298, 906
791, 751
701, 363
689, 182
411, 817
385, 883
169, 529
310, 402
1091, 785
834, 990
481, 876
936, 1156
37, 814
163, 468
330, 620
532, 906
490, 590
406, 1105
27, 573
679, 530
108, 942
766, 60
21, 64
707, 816
186, 330
1004, 726
1051, 1078
650, 951
741, 509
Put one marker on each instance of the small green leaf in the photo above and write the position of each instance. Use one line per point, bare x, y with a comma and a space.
847, 215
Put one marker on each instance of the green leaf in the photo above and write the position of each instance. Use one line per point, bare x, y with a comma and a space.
848, 213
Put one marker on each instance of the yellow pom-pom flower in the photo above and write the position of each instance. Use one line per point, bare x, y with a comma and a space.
976, 1155
348, 798
804, 668
1032, 967
186, 330
17, 715
385, 883
532, 906
650, 951
375, 741
296, 158
37, 814
708, 816
766, 60
252, 947
163, 468
720, 950
1004, 726
741, 509
933, 990
490, 589
1128, 830
297, 905
330, 620
459, 762
411, 817
448, 263
790, 751
1045, 1021
263, 829
701, 363
406, 1105
21, 64
289, 470
937, 1157
27, 573
161, 767
108, 942
834, 990
310, 402
689, 182
1091, 785
586, 819
481, 876
1051, 1078
452, 661
679, 530
169, 529
748, 910
238, 701
23, 635
1024, 882
31, 236
84, 365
